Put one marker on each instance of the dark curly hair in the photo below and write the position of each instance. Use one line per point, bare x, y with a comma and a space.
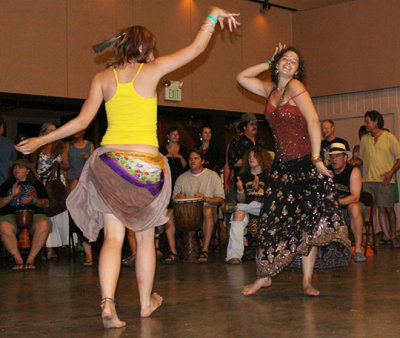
263, 157
300, 71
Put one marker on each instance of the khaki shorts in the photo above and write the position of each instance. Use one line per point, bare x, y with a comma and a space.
12, 219
347, 216
383, 195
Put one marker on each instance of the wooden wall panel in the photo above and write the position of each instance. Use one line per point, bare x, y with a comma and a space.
350, 47
33, 42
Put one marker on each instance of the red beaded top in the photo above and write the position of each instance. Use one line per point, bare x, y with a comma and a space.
289, 129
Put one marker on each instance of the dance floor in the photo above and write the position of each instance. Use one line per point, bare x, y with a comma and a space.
61, 299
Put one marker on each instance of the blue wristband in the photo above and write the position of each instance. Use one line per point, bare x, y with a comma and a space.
213, 18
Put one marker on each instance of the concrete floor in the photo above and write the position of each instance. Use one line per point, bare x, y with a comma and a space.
60, 299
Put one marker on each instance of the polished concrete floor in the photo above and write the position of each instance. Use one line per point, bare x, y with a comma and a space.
60, 299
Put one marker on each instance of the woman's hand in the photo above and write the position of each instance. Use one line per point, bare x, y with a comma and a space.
29, 145
84, 155
278, 49
239, 184
322, 169
222, 14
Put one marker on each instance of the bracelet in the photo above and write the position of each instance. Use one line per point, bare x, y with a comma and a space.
269, 62
213, 18
34, 200
240, 191
208, 24
205, 30
315, 159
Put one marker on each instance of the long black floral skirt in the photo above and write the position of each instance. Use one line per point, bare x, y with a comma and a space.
300, 210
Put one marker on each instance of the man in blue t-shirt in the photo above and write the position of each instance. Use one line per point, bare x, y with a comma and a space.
23, 191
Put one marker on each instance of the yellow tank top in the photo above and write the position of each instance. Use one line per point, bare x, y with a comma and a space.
132, 119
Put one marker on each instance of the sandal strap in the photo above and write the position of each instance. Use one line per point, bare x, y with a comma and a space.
110, 300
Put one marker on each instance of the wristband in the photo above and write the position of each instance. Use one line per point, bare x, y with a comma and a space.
315, 159
213, 18
240, 191
34, 200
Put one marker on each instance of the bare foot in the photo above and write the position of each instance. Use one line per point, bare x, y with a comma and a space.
155, 302
309, 290
256, 285
109, 316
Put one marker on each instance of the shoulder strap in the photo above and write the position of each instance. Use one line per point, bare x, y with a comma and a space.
270, 93
116, 75
297, 95
140, 67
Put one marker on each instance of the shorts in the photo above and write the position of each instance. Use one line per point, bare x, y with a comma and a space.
384, 195
12, 219
347, 216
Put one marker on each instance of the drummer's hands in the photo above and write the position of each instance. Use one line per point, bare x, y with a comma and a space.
322, 169
16, 189
222, 14
180, 195
199, 195
29, 145
27, 199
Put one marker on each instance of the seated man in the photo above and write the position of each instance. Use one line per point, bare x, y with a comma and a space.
23, 191
197, 182
349, 183
251, 179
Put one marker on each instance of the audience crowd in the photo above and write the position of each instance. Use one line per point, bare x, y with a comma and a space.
27, 183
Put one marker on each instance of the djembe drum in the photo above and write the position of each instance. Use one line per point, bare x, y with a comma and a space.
24, 222
251, 233
188, 215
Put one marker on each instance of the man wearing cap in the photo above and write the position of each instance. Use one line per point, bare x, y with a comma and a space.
7, 153
240, 144
23, 191
380, 153
348, 184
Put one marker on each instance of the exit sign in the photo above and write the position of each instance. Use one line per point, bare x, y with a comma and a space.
172, 94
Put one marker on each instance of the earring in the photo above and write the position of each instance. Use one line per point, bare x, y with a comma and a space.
201, 139
276, 71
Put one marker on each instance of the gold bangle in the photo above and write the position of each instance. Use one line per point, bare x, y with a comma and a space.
315, 159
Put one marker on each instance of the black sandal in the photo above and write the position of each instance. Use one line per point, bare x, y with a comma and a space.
171, 258
203, 258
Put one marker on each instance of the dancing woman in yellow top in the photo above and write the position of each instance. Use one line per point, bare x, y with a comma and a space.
126, 182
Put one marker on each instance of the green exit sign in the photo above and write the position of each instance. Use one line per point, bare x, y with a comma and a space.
172, 94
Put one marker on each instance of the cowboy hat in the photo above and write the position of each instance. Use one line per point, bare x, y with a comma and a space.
246, 118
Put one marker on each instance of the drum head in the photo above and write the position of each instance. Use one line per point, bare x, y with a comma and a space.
188, 200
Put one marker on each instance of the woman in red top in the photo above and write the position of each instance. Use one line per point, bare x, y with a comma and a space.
301, 210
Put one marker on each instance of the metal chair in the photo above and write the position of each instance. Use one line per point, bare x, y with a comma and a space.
368, 200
